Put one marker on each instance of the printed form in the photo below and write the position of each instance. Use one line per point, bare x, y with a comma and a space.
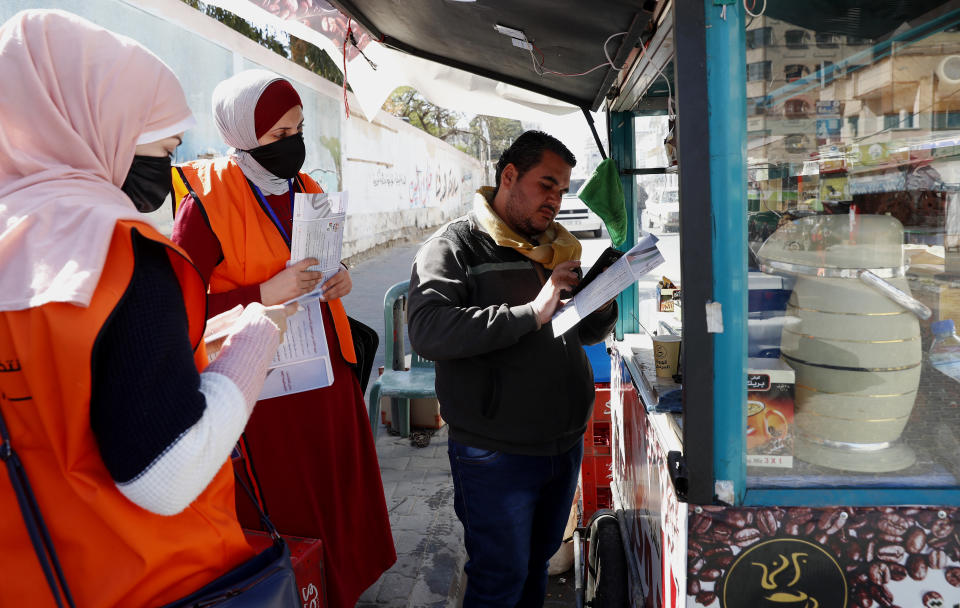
318, 221
640, 260
302, 362
303, 359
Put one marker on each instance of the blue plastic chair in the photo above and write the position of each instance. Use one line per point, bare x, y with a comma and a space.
397, 383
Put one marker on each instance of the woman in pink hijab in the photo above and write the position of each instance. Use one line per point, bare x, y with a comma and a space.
105, 402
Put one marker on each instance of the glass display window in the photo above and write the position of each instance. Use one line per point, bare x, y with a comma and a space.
658, 205
854, 255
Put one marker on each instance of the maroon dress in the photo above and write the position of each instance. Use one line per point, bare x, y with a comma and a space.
312, 452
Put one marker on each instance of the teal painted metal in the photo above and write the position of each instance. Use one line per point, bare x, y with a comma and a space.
854, 497
726, 109
623, 150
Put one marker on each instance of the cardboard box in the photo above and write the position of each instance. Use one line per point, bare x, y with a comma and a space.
424, 413
665, 297
770, 395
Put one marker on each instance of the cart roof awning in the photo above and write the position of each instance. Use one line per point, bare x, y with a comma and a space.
453, 53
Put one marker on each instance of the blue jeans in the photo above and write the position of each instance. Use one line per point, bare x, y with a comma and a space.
513, 509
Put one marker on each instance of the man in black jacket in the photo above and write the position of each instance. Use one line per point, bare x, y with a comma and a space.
516, 398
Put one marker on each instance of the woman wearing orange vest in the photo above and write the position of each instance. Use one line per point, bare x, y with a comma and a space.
312, 452
125, 442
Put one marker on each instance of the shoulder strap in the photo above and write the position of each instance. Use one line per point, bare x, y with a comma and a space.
39, 535
271, 529
185, 183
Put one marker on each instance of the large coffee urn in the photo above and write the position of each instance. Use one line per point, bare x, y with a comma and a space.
855, 349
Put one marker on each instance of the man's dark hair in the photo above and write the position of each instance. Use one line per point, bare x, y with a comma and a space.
527, 150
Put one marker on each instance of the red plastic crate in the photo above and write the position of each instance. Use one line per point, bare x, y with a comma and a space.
596, 441
595, 470
598, 498
306, 554
601, 401
595, 484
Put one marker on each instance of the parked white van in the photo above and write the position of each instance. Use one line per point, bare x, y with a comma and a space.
663, 211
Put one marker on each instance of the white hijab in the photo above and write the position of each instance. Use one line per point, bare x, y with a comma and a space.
234, 102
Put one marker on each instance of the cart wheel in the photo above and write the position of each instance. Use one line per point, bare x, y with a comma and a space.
607, 565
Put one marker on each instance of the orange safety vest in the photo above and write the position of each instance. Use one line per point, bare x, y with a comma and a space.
113, 552
253, 248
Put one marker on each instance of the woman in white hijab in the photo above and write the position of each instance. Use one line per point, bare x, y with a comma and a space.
312, 452
125, 442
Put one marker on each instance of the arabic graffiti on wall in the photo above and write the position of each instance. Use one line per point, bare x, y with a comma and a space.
422, 187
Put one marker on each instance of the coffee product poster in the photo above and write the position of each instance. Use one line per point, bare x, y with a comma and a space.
824, 557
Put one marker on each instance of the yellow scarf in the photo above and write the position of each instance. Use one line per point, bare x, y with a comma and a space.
556, 243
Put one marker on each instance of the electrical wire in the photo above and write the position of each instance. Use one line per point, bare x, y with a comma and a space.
753, 3
540, 70
607, 53
671, 113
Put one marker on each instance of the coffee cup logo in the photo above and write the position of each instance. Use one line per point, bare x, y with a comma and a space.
661, 356
666, 355
765, 423
784, 573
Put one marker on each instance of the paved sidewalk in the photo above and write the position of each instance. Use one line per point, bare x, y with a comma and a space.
427, 535
416, 481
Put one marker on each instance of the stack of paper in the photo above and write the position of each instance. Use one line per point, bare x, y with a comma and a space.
318, 221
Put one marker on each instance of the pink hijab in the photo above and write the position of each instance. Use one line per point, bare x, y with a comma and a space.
79, 98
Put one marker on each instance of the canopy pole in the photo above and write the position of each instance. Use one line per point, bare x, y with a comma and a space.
593, 129
621, 133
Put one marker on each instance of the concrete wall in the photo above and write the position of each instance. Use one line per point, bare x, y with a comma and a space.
400, 180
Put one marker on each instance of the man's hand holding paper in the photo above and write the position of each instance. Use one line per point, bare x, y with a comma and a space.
641, 259
562, 280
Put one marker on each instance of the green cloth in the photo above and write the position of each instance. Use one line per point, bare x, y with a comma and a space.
603, 194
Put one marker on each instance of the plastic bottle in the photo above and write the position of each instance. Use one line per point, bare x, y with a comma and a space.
945, 350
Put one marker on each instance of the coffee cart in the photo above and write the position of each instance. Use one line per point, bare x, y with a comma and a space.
808, 455
814, 459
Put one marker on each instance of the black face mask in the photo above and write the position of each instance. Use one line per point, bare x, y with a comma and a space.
148, 182
283, 157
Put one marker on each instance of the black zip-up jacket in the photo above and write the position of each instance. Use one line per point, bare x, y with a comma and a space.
503, 382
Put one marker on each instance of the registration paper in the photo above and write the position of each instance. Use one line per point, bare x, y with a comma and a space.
635, 263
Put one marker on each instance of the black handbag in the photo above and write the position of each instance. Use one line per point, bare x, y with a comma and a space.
365, 342
267, 580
